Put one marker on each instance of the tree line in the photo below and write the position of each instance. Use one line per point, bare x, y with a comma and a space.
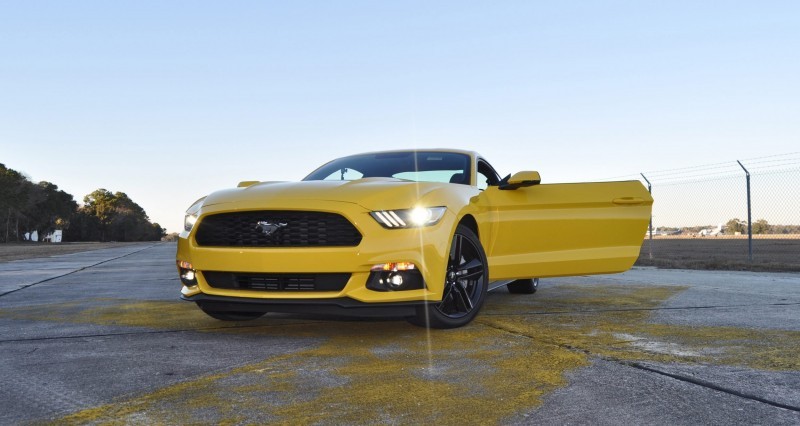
731, 227
26, 207
760, 226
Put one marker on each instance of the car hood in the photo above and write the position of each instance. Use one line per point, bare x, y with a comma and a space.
370, 193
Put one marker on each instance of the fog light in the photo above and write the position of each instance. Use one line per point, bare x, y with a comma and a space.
187, 273
395, 276
188, 277
395, 281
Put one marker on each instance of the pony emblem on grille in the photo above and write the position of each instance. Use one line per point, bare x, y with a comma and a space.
268, 228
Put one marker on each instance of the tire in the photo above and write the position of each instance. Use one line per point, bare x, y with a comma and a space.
231, 315
466, 283
528, 286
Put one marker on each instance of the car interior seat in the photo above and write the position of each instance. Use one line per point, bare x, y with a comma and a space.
458, 178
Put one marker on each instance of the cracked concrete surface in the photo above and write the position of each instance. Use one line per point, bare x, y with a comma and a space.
101, 337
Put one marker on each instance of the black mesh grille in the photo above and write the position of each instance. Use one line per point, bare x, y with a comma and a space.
276, 282
289, 229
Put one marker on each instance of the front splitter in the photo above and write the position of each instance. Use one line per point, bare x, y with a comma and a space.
343, 306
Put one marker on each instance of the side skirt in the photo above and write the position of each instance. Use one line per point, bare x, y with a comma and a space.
494, 285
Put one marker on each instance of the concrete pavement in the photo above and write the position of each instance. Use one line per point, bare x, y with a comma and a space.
102, 337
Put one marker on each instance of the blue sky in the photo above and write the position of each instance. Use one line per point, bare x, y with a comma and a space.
167, 101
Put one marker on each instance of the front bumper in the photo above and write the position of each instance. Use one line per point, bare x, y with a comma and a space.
343, 306
426, 247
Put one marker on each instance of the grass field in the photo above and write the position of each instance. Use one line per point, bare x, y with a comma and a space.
19, 251
769, 254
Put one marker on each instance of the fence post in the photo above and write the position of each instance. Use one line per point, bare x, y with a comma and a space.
749, 216
650, 190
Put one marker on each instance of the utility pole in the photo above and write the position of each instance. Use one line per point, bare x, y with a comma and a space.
749, 216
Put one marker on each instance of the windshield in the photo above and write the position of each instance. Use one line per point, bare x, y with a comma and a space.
418, 166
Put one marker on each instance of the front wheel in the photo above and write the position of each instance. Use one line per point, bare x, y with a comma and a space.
466, 282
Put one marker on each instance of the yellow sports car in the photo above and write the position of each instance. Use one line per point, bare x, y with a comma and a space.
420, 234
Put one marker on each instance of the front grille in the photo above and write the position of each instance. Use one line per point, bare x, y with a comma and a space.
296, 229
276, 282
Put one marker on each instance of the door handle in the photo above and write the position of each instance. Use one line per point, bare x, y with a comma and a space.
628, 200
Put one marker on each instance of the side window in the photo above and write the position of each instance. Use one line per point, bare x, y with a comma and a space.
486, 175
483, 181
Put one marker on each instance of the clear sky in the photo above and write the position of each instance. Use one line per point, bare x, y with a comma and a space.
167, 101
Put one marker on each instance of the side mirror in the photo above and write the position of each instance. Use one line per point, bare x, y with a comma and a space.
520, 180
246, 183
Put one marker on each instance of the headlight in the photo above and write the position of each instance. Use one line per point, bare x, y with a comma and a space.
189, 221
409, 218
191, 215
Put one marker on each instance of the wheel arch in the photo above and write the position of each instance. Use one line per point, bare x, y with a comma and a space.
469, 221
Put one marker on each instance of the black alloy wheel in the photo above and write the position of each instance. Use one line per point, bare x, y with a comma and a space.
466, 283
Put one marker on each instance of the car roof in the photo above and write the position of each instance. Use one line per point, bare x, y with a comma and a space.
471, 154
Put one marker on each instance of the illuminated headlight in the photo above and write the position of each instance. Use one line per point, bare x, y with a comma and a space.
409, 218
191, 215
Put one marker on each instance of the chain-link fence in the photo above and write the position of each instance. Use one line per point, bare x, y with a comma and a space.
732, 215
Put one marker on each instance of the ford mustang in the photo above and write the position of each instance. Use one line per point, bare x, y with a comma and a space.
419, 234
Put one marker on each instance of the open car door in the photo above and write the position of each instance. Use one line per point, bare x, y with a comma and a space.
563, 229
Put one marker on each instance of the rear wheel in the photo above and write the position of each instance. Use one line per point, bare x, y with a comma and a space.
231, 315
528, 286
466, 282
